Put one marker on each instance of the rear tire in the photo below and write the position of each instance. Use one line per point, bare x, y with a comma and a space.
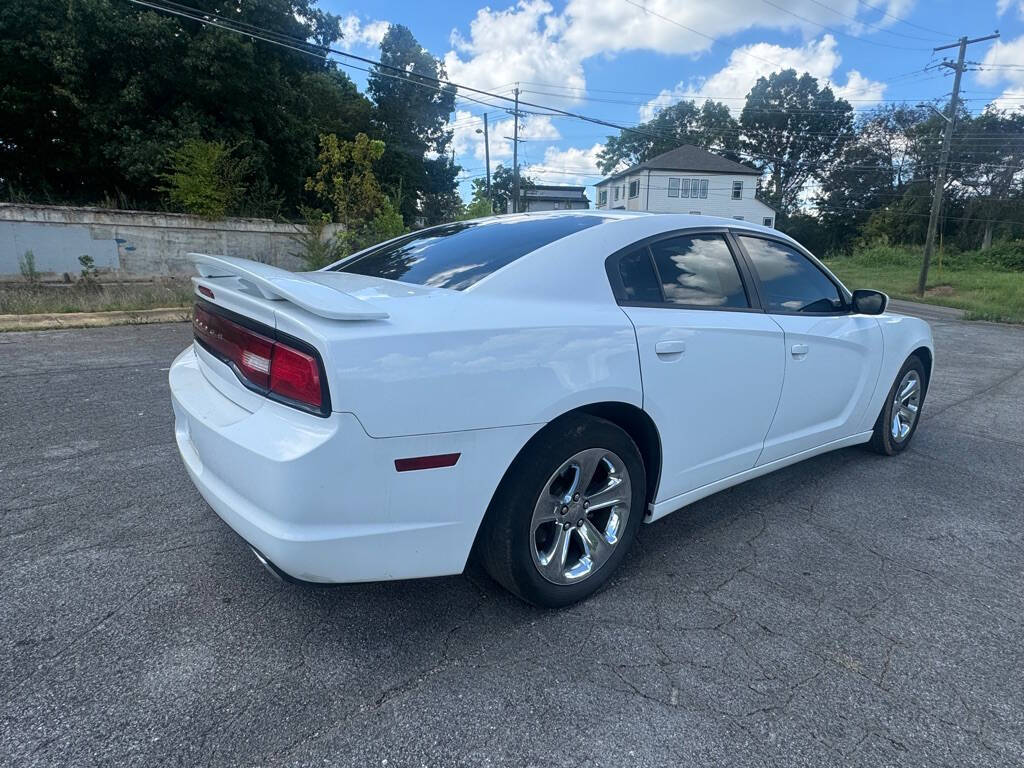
565, 513
901, 412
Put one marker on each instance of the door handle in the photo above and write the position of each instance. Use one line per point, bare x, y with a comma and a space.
669, 348
800, 350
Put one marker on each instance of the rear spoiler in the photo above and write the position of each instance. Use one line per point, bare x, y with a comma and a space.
278, 284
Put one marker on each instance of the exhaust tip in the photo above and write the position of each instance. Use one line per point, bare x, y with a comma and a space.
266, 564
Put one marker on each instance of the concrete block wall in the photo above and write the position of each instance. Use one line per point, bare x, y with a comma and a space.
134, 244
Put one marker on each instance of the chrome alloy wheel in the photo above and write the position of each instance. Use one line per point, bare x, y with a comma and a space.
905, 406
580, 516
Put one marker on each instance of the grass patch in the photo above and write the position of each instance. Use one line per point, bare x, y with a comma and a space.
972, 281
32, 299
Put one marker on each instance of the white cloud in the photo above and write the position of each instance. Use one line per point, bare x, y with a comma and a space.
818, 57
530, 42
522, 43
1002, 6
467, 143
356, 32
573, 166
1001, 67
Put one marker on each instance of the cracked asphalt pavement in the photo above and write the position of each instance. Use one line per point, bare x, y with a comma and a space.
849, 610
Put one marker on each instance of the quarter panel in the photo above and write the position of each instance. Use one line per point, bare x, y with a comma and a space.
456, 361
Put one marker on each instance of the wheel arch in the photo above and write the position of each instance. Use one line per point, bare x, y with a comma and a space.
638, 424
634, 421
924, 354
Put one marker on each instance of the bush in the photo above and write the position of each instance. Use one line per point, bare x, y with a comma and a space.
316, 248
89, 275
1008, 254
204, 179
27, 265
882, 255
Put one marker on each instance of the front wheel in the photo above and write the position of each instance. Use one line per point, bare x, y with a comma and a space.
566, 512
899, 417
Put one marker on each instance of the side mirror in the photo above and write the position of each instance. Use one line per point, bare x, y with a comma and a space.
868, 302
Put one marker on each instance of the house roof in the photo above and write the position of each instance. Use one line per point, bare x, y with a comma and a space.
555, 192
687, 158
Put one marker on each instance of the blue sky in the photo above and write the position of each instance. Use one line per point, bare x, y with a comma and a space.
620, 59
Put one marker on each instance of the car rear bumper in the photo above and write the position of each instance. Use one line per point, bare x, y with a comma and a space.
319, 498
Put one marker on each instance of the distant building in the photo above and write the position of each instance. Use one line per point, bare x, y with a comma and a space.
552, 197
687, 179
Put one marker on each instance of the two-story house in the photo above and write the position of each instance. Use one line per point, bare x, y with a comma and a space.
687, 179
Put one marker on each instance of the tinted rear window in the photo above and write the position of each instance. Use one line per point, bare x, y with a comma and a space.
459, 254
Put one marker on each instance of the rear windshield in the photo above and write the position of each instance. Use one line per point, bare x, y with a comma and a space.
459, 254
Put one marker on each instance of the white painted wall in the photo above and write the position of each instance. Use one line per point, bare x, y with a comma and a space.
653, 196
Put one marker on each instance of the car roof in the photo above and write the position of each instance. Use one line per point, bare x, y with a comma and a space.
669, 221
574, 265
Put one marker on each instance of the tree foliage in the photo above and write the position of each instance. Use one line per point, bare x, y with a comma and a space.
411, 117
347, 180
502, 187
96, 93
792, 129
710, 127
205, 178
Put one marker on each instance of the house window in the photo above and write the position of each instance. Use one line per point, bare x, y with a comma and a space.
634, 188
673, 186
602, 197
737, 190
695, 213
703, 188
684, 189
767, 221
616, 193
738, 218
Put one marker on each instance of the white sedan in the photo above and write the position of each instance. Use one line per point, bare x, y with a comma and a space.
526, 388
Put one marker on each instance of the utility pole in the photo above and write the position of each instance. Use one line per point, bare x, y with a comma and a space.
487, 156
947, 138
515, 154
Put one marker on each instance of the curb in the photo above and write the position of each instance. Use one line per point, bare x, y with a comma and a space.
46, 322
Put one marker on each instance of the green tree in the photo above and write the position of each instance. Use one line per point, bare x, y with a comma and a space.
95, 93
710, 127
205, 178
477, 209
792, 128
871, 174
992, 153
501, 189
411, 116
859, 182
346, 178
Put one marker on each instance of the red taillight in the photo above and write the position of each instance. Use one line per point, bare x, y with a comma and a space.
295, 375
248, 350
267, 365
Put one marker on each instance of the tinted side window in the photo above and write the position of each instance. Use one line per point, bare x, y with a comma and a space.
698, 270
789, 281
639, 282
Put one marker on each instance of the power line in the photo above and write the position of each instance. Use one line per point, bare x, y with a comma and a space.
838, 32
405, 76
649, 12
944, 35
872, 26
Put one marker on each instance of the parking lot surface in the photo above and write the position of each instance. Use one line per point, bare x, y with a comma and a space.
849, 610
